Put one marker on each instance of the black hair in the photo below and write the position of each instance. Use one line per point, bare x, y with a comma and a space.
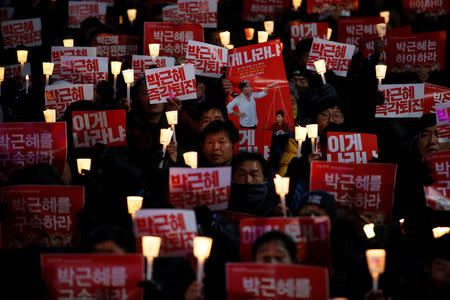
115, 233
427, 120
327, 102
207, 106
218, 126
251, 156
287, 241
303, 46
243, 84
280, 112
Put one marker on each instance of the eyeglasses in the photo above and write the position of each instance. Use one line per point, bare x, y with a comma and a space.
337, 116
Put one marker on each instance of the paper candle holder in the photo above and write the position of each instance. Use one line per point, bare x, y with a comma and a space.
131, 13
320, 66
263, 36
165, 136
22, 56
134, 203
50, 115
249, 33
202, 247
150, 248
153, 49
224, 37
380, 71
269, 26
172, 117
116, 66
385, 14
47, 68
83, 164
369, 230
300, 133
296, 4
191, 159
440, 231
376, 260
68, 42
281, 185
312, 130
329, 32
128, 76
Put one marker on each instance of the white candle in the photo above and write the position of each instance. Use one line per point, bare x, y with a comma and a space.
47, 69
202, 249
128, 77
313, 132
134, 203
27, 83
150, 249
50, 115
282, 189
22, 56
321, 68
83, 164
296, 4
116, 66
131, 13
68, 43
380, 73
263, 36
164, 138
249, 33
224, 38
269, 27
153, 50
300, 137
191, 159
172, 120
376, 259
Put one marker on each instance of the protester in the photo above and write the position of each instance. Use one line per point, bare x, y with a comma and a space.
218, 140
274, 247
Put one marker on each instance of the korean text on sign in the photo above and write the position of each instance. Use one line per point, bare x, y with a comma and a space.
170, 13
258, 10
198, 12
366, 188
443, 121
104, 126
401, 100
351, 147
12, 71
300, 31
41, 215
351, 30
143, 62
116, 46
207, 59
438, 194
81, 69
323, 7
22, 32
176, 227
441, 7
93, 276
59, 51
178, 81
276, 281
81, 10
60, 96
336, 55
254, 140
200, 187
434, 94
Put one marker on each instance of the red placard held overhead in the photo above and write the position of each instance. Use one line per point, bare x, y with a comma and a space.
350, 30
198, 12
366, 188
443, 121
172, 39
351, 147
208, 60
436, 7
41, 216
259, 10
143, 62
104, 126
276, 281
83, 69
310, 234
93, 276
26, 32
58, 51
401, 101
200, 187
434, 94
60, 96
176, 227
300, 31
81, 10
438, 194
254, 140
116, 46
32, 143
325, 7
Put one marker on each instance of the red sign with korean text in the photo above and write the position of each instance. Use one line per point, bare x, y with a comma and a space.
300, 31
310, 234
176, 228
176, 81
276, 281
172, 39
254, 140
325, 7
41, 216
401, 101
93, 276
208, 60
337, 56
200, 187
443, 121
26, 32
198, 12
438, 194
84, 69
416, 51
170, 13
6, 13
12, 71
58, 51
32, 143
143, 62
436, 7
350, 30
351, 147
81, 10
116, 46
260, 65
60, 96
259, 10
366, 188
104, 126
434, 94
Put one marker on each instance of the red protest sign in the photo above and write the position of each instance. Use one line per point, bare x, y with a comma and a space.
58, 51
443, 121
176, 228
276, 281
41, 215
26, 32
60, 96
351, 147
434, 94
143, 62
310, 234
260, 65
208, 60
438, 194
12, 71
437, 7
366, 188
93, 276
170, 13
172, 39
84, 69
401, 101
325, 7
198, 12
259, 10
415, 51
200, 187
32, 143
116, 46
177, 81
80, 10
300, 31
350, 30
104, 126
337, 56
254, 140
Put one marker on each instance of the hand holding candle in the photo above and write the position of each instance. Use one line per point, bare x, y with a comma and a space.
150, 249
300, 137
134, 204
202, 249
376, 259
191, 159
321, 68
83, 164
282, 189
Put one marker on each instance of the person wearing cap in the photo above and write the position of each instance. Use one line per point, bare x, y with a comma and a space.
314, 204
247, 105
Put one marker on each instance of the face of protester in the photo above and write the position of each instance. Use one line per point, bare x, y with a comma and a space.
428, 141
218, 149
301, 83
313, 210
248, 172
329, 116
279, 119
209, 116
440, 272
273, 252
247, 89
108, 247
144, 104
